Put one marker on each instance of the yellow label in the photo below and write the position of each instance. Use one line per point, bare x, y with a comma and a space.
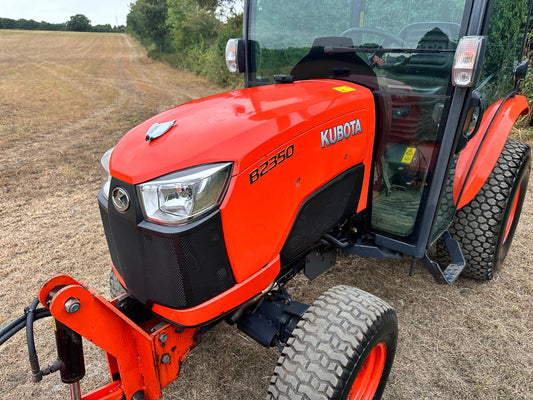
344, 89
361, 19
54, 324
408, 155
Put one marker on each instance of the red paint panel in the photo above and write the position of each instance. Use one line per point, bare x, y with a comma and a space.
240, 126
490, 149
257, 217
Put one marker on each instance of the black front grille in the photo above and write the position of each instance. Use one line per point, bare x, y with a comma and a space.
178, 267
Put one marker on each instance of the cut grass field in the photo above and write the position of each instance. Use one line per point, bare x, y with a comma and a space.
65, 98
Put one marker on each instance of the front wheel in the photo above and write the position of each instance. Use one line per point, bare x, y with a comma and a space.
343, 348
115, 287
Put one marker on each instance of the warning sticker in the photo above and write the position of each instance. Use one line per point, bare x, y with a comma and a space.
344, 89
408, 155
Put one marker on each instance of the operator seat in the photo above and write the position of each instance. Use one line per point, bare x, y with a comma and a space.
413, 33
430, 36
318, 64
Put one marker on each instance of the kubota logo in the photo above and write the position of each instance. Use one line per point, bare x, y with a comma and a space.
337, 133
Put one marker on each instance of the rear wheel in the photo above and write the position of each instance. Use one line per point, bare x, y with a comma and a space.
343, 348
485, 227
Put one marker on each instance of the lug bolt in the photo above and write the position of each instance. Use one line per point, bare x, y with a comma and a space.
165, 358
72, 305
163, 337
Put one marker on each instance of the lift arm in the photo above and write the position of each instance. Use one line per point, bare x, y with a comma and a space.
142, 358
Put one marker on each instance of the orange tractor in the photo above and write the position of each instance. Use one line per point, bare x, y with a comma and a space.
369, 127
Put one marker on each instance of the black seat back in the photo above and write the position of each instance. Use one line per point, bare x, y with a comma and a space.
318, 64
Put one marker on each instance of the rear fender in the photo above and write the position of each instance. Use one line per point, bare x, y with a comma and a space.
480, 155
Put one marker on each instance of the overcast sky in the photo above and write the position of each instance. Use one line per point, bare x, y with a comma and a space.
56, 11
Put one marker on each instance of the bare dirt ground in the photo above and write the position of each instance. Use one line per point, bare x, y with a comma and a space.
65, 98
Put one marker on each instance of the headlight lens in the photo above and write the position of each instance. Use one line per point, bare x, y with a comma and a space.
182, 196
105, 163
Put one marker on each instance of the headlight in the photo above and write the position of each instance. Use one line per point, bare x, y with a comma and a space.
105, 163
182, 196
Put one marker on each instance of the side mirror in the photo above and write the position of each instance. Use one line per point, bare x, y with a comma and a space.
520, 70
235, 55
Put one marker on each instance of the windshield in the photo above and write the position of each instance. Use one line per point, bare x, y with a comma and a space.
284, 32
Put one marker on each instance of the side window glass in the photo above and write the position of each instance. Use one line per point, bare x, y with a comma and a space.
505, 37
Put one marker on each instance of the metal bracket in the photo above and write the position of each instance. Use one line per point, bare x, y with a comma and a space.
371, 250
318, 262
273, 321
456, 266
142, 358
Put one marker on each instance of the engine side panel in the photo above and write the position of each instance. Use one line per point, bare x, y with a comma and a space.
264, 200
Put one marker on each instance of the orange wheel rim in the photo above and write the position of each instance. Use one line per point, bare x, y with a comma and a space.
512, 215
367, 380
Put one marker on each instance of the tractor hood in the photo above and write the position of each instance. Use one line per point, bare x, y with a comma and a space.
239, 126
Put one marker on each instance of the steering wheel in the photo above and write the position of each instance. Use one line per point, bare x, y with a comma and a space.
372, 31
388, 38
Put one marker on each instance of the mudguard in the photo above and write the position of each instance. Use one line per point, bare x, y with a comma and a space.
479, 157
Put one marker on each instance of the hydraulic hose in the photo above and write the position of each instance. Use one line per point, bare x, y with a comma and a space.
19, 323
31, 314
10, 329
36, 374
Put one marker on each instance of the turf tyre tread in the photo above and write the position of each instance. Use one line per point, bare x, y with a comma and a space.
479, 225
115, 287
328, 343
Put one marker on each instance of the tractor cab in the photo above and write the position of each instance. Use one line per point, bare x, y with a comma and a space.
433, 67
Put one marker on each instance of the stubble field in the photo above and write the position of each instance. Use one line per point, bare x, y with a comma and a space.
65, 98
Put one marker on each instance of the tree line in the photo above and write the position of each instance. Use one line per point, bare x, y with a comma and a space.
77, 23
189, 34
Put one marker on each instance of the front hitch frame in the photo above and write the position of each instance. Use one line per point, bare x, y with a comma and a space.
142, 357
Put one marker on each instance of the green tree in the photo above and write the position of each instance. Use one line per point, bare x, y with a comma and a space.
7, 23
193, 23
190, 34
27, 24
214, 63
505, 38
102, 28
79, 23
147, 20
